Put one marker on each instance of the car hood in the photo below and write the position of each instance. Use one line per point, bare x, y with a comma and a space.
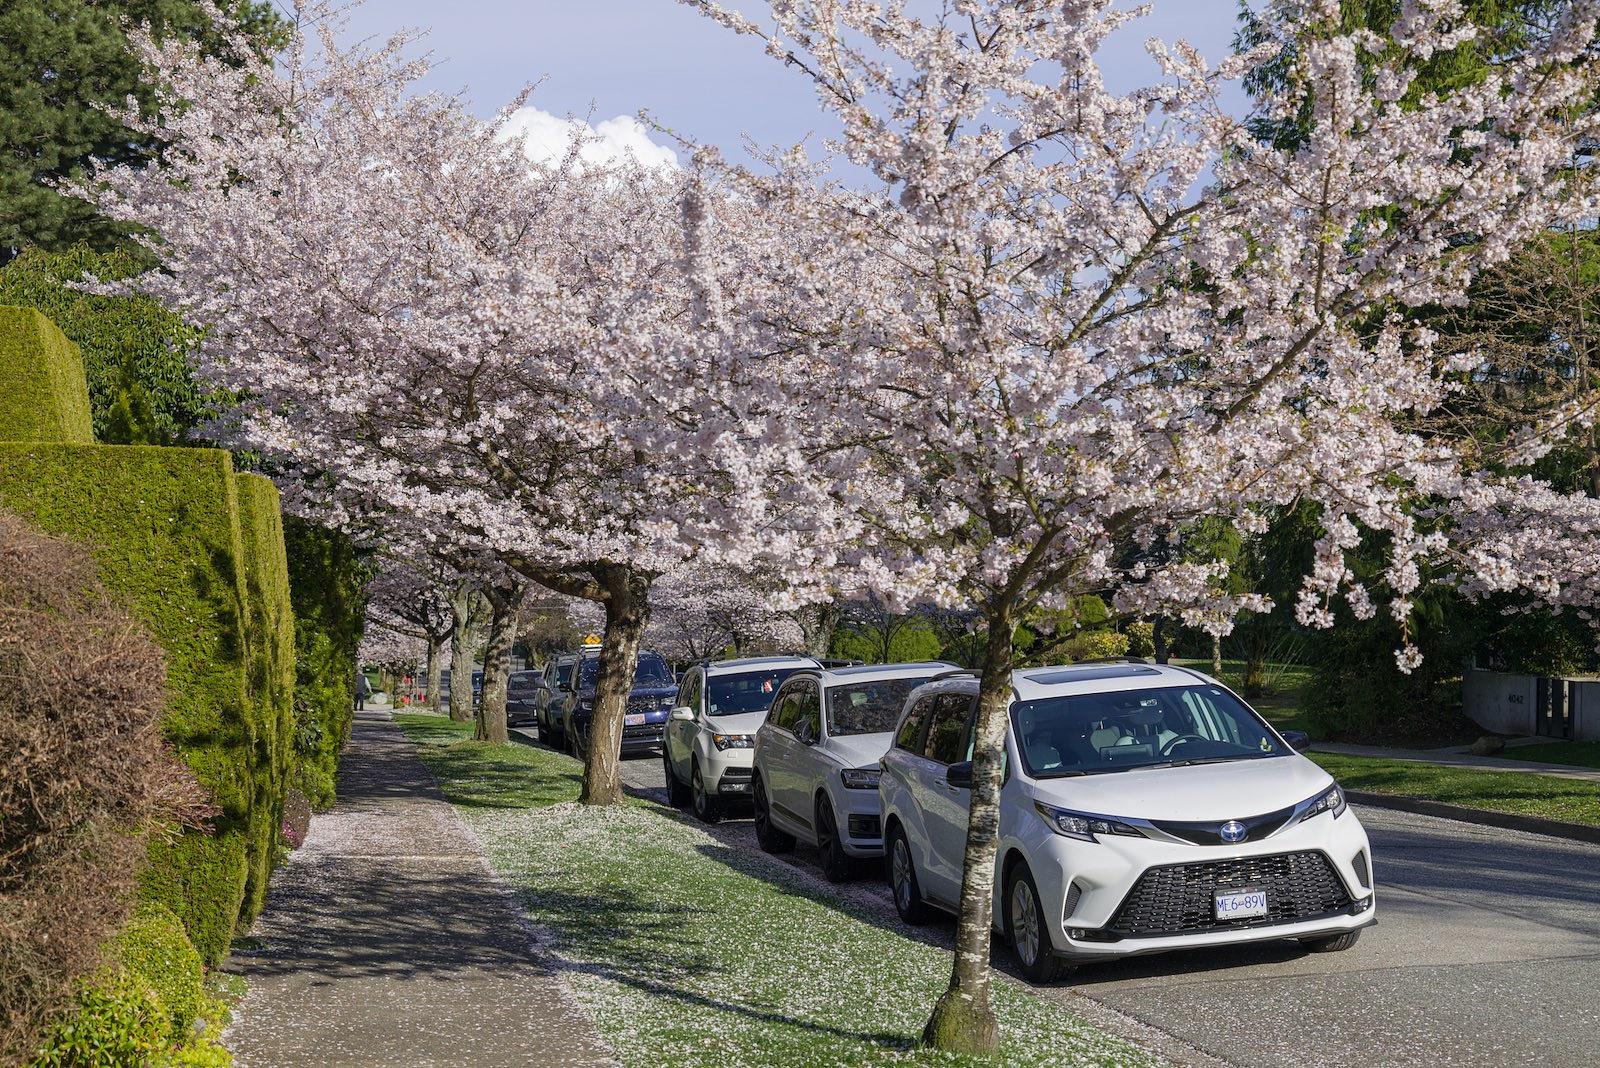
741, 723
1199, 792
860, 750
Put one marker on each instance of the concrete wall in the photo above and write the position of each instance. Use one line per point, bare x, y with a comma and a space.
1509, 704
1504, 704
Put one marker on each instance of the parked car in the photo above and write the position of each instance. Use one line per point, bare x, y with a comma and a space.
816, 760
553, 684
653, 695
1145, 808
522, 689
710, 741
444, 687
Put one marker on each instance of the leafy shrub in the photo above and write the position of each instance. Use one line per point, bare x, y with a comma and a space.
84, 775
114, 1021
1096, 644
1141, 639
326, 577
156, 951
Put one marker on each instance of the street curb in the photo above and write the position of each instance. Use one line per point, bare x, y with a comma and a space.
1577, 832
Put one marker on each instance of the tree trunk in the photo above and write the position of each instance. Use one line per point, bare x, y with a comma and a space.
963, 1020
1255, 664
465, 635
491, 717
627, 612
1158, 636
1216, 656
817, 624
435, 671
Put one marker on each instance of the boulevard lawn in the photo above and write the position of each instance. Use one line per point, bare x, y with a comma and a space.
1513, 792
686, 951
1574, 754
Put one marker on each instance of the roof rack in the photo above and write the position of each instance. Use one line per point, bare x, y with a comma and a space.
1109, 660
952, 674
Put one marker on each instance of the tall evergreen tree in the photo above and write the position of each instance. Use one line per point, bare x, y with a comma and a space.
59, 61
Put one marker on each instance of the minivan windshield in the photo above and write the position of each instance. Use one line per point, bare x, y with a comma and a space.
748, 691
1102, 732
652, 671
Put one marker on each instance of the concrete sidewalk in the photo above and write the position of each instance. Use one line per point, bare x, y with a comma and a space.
386, 940
1459, 757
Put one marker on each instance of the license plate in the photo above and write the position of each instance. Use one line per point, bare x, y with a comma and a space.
1241, 905
633, 719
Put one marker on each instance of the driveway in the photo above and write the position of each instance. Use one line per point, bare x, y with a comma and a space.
1486, 955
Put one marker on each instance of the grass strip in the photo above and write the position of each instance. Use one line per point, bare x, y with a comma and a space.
685, 950
1514, 792
1572, 754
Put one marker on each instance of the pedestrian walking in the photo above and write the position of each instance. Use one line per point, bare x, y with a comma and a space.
363, 688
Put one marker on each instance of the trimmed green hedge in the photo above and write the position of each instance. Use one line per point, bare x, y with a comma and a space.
165, 527
270, 663
43, 393
326, 577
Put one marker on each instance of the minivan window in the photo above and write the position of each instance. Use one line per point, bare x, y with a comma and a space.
910, 736
1107, 732
948, 740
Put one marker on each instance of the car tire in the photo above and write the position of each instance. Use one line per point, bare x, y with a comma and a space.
1335, 944
677, 790
768, 837
903, 886
1026, 931
705, 806
837, 865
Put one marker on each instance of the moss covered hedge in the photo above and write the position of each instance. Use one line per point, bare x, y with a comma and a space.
165, 525
196, 551
43, 393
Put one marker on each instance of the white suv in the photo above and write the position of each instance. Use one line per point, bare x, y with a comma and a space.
711, 734
816, 760
1144, 808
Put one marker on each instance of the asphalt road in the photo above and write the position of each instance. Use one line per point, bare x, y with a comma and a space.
1486, 955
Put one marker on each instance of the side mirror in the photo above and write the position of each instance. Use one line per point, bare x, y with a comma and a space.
1299, 741
805, 733
682, 714
959, 775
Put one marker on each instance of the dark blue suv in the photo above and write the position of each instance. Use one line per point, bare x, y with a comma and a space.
654, 693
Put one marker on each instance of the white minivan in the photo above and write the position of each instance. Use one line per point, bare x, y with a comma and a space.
1144, 808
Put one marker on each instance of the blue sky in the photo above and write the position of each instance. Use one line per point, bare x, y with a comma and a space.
604, 58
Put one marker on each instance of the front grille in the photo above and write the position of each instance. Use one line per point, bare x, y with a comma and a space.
644, 704
1178, 897
737, 773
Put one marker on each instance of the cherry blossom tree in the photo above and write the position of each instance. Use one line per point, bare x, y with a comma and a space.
1085, 320
404, 598
566, 366
700, 612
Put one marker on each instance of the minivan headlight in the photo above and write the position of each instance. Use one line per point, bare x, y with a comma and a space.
1331, 800
1082, 825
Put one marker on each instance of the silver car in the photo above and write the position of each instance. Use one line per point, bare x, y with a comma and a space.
816, 760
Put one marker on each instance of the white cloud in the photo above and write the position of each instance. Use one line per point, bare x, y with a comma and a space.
545, 139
